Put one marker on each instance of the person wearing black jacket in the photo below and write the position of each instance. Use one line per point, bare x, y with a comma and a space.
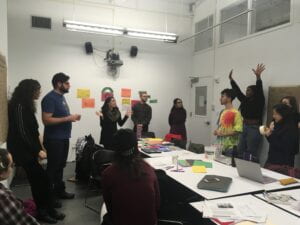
177, 118
110, 116
24, 144
252, 108
282, 137
142, 113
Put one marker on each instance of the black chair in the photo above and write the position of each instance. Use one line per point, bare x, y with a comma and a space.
148, 135
100, 160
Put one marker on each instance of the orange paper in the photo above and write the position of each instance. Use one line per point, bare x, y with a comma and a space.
88, 103
125, 93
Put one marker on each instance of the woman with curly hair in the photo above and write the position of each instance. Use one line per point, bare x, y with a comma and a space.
24, 144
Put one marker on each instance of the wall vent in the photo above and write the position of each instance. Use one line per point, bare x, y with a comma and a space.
40, 22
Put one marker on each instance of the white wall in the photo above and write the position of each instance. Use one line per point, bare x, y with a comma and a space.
3, 42
159, 68
278, 49
3, 27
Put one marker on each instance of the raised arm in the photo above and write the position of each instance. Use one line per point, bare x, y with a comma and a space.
258, 71
239, 94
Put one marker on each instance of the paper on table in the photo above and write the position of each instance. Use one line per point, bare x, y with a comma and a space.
199, 169
234, 211
202, 163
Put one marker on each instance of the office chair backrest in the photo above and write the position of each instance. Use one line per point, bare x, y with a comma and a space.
100, 160
148, 135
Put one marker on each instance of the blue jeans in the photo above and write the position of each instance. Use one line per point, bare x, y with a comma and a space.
249, 142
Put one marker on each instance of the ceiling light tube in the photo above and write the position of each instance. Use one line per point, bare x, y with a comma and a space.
93, 28
152, 35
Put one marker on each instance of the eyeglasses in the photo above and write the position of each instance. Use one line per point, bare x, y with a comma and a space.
179, 102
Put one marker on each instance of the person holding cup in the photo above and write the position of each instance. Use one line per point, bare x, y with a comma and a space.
58, 120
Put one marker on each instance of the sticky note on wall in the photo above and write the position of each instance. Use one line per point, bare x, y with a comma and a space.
88, 103
83, 93
125, 92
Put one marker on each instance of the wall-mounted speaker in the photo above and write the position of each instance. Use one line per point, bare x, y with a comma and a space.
88, 47
133, 51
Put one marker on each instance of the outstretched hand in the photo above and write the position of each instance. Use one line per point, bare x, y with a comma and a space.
259, 69
230, 75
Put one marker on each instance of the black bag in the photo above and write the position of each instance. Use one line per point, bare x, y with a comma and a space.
215, 183
83, 160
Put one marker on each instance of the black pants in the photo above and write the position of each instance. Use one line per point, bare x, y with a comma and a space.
145, 128
57, 154
40, 185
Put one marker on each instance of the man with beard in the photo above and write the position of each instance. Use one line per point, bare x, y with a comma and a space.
58, 125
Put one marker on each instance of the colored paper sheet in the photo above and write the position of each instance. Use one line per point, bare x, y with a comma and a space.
134, 102
88, 103
126, 101
126, 108
202, 163
199, 169
83, 93
153, 101
125, 92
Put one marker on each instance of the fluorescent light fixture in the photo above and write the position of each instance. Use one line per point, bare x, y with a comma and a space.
152, 35
93, 28
115, 30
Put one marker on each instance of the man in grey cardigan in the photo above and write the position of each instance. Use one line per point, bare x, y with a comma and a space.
142, 113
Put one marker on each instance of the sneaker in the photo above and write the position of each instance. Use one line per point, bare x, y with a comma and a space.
46, 218
56, 215
65, 195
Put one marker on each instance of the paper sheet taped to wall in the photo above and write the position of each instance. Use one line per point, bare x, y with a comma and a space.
83, 93
88, 103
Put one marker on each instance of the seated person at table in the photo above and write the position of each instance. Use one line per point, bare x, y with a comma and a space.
282, 137
230, 124
130, 186
11, 209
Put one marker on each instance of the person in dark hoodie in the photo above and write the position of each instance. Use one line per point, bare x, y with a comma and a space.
252, 108
110, 116
177, 118
282, 137
130, 186
291, 101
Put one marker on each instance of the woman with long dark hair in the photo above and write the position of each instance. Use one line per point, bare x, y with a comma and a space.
291, 101
24, 144
110, 116
282, 137
177, 118
130, 186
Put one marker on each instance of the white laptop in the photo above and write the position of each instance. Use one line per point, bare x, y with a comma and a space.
252, 171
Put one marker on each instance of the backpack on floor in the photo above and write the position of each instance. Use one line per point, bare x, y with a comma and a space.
85, 148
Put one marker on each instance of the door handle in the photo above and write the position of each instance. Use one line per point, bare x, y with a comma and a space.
207, 123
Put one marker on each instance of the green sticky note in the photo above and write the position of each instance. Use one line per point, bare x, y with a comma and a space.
153, 100
202, 163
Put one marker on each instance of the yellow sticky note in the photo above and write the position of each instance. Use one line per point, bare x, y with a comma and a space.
83, 93
199, 169
126, 101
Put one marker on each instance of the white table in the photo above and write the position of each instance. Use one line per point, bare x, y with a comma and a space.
295, 193
275, 215
239, 185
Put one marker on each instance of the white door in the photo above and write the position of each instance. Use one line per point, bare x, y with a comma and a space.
199, 128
